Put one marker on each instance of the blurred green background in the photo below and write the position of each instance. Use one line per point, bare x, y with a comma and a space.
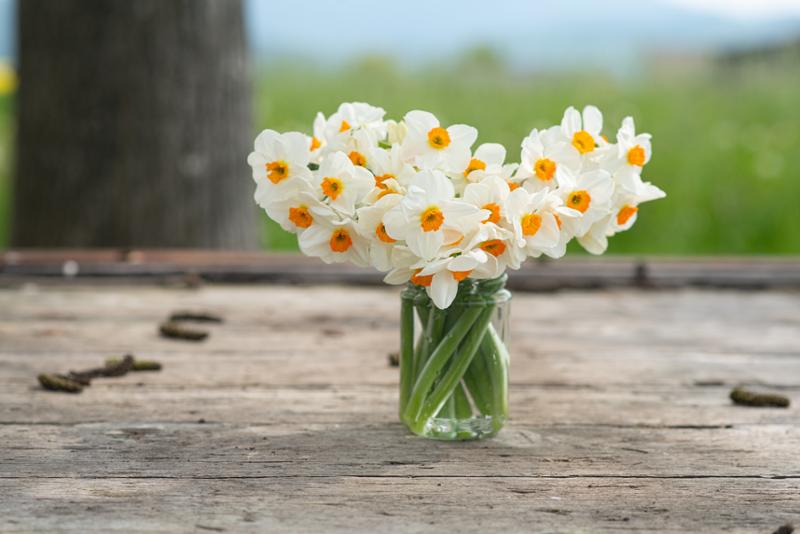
726, 134
725, 125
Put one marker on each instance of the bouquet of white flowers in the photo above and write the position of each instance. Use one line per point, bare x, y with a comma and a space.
412, 199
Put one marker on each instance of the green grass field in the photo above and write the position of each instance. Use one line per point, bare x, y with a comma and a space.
726, 145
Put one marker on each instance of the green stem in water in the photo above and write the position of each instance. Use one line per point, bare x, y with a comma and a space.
444, 389
406, 351
463, 408
437, 360
499, 373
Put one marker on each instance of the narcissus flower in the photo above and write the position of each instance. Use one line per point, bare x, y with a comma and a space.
411, 199
340, 184
429, 215
544, 154
583, 131
280, 165
432, 146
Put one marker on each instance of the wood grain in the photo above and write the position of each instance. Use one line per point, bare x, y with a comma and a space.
285, 419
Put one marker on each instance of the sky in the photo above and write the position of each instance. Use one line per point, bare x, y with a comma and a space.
613, 34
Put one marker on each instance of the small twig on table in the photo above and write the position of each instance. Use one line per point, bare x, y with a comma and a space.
195, 316
749, 398
175, 330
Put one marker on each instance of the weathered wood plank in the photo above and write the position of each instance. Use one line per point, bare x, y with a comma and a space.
239, 266
610, 429
399, 504
219, 450
647, 406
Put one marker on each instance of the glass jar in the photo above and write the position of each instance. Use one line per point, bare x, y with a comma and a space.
454, 362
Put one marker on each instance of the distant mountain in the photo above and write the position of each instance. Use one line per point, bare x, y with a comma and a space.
614, 34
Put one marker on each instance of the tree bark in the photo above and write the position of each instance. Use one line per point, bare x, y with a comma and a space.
134, 122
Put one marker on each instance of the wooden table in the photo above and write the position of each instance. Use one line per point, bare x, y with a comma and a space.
285, 418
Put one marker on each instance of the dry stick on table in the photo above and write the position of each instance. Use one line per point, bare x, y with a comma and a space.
195, 316
175, 330
55, 382
749, 398
118, 368
138, 365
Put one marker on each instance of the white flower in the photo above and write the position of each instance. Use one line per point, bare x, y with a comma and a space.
490, 195
583, 133
294, 213
334, 241
318, 142
441, 277
431, 146
499, 245
533, 220
340, 183
280, 165
370, 225
633, 153
487, 161
429, 216
395, 132
351, 118
589, 194
543, 155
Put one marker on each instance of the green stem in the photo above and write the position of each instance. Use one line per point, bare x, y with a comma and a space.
444, 389
406, 351
422, 313
499, 373
436, 361
475, 380
463, 408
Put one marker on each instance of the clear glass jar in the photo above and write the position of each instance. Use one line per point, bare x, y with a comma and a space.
454, 362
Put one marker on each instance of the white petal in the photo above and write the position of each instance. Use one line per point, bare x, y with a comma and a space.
462, 134
592, 120
571, 122
425, 244
491, 153
443, 289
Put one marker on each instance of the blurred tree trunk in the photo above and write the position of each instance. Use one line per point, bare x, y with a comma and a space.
134, 123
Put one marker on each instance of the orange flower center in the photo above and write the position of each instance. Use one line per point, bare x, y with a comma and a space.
636, 156
424, 281
495, 247
531, 224
315, 144
474, 165
344, 126
626, 213
460, 275
438, 138
431, 219
380, 231
379, 180
512, 185
340, 240
579, 200
277, 171
544, 169
583, 141
494, 217
558, 220
357, 158
332, 187
300, 216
